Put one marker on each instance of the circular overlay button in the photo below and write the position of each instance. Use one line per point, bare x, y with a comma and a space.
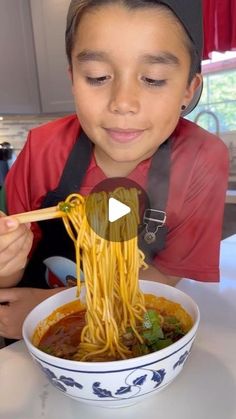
115, 208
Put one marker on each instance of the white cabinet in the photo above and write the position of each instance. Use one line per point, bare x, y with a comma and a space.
18, 75
49, 23
33, 69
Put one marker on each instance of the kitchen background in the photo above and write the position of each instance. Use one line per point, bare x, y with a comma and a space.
34, 87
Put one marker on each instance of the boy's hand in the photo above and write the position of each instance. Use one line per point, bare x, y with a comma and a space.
15, 304
15, 244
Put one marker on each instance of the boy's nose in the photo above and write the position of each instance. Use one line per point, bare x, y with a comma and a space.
124, 100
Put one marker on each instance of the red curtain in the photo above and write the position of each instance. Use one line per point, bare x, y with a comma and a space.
219, 26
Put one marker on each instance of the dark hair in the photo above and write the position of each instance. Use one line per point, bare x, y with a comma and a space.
78, 7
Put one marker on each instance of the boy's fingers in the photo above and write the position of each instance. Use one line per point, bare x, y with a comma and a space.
6, 295
8, 224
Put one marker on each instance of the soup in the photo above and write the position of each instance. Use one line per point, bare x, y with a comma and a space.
164, 323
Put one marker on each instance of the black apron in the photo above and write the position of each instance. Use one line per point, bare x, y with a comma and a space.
55, 240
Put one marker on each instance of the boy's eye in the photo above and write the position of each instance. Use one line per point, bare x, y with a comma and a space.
97, 80
154, 82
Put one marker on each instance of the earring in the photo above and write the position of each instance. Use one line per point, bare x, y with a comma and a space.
183, 107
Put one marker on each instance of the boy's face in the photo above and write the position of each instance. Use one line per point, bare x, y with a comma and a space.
130, 73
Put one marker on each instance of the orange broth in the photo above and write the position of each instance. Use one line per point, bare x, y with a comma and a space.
62, 335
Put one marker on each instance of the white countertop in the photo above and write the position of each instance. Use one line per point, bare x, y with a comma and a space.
206, 388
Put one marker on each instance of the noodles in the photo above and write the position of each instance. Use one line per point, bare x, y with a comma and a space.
114, 301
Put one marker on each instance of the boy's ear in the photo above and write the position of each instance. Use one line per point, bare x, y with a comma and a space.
192, 87
70, 73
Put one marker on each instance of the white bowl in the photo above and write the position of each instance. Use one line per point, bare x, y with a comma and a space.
116, 383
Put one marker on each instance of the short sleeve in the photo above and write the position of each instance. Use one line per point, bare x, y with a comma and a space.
195, 227
17, 183
18, 188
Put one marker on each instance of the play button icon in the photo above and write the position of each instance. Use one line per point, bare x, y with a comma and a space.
117, 210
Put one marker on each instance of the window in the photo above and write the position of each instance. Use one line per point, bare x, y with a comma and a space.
216, 110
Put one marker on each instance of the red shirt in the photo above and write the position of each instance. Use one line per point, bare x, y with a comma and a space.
198, 182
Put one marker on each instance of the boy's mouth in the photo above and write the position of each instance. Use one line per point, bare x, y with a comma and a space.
124, 135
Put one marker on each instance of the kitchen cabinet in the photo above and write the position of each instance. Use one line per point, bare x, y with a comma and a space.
49, 22
18, 74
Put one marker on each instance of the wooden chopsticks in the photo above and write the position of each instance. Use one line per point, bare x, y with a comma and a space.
39, 215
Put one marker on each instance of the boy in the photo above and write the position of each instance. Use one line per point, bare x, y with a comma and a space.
135, 67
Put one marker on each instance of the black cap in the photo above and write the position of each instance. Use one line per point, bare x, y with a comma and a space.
190, 15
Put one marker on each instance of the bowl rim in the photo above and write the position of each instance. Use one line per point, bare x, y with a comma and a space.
163, 353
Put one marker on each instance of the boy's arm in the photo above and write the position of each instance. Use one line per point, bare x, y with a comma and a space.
20, 302
153, 274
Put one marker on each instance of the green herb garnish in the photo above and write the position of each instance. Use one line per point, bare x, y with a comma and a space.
161, 344
64, 206
152, 327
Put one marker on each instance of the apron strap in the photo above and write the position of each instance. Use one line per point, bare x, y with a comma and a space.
73, 173
154, 230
